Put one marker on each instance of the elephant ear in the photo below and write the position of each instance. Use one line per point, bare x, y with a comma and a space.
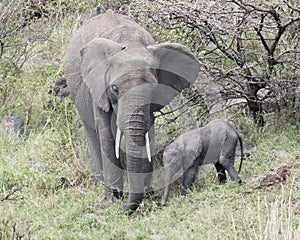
178, 69
95, 58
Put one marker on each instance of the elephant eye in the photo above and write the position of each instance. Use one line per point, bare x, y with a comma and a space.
115, 89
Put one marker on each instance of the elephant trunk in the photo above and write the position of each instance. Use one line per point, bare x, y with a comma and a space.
135, 177
134, 123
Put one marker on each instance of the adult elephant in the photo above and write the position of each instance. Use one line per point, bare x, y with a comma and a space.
117, 77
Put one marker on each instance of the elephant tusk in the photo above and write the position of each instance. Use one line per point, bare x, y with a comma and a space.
117, 144
148, 146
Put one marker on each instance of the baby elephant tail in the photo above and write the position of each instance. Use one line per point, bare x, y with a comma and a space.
242, 151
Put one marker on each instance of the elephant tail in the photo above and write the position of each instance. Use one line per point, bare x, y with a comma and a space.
242, 151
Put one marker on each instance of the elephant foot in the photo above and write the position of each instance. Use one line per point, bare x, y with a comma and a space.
149, 192
111, 196
183, 192
117, 194
133, 202
129, 210
222, 179
108, 202
113, 193
164, 202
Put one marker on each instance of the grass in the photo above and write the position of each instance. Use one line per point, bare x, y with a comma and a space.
62, 201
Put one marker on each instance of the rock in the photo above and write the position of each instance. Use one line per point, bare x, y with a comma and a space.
37, 166
279, 155
263, 93
216, 100
60, 90
155, 237
12, 124
247, 148
129, 233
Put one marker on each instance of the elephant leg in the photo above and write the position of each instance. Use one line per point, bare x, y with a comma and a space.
221, 173
147, 170
227, 161
112, 168
95, 153
113, 174
84, 105
233, 174
189, 177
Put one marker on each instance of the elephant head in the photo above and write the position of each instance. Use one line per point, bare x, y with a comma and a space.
133, 81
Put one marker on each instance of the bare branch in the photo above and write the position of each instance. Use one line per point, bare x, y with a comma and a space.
11, 194
245, 47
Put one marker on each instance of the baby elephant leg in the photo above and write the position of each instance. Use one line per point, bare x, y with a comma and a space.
221, 173
188, 179
227, 162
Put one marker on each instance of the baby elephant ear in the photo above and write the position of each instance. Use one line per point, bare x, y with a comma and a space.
94, 64
178, 69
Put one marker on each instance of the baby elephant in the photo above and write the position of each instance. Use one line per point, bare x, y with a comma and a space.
214, 143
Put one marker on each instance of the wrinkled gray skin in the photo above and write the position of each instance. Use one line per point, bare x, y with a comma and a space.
214, 143
117, 77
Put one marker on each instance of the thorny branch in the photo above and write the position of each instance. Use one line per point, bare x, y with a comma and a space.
11, 194
20, 26
256, 42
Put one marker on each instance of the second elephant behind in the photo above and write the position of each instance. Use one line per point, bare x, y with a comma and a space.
214, 143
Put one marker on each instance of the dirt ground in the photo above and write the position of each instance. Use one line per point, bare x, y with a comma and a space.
277, 178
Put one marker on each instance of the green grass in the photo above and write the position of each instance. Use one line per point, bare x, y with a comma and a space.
61, 200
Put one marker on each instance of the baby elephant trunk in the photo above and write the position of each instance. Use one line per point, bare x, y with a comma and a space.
168, 179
